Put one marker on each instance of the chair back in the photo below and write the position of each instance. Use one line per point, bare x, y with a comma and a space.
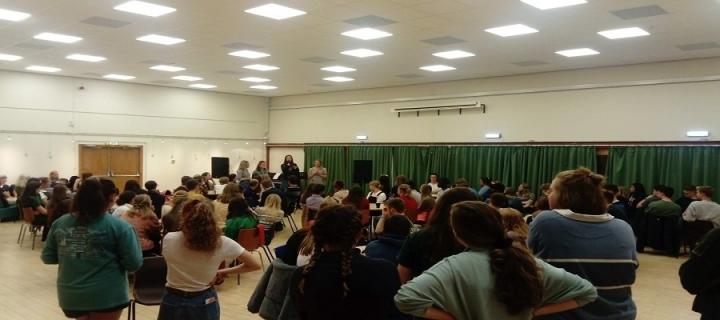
28, 215
250, 238
150, 279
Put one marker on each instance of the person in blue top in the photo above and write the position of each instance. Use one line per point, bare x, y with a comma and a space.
389, 243
94, 251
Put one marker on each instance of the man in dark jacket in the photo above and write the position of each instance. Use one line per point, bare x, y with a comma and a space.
700, 275
388, 244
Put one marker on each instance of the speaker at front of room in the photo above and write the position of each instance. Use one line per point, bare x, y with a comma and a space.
362, 171
220, 167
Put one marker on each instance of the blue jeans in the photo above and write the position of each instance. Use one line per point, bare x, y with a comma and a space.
205, 306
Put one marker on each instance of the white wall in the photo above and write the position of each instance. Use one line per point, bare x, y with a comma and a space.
620, 106
43, 115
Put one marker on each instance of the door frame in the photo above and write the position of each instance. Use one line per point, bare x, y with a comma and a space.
142, 145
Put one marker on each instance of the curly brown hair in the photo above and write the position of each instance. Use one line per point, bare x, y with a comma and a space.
199, 227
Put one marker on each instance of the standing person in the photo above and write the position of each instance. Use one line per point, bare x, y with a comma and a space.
376, 197
193, 255
243, 172
261, 171
700, 275
704, 210
427, 247
318, 174
434, 184
494, 279
603, 248
339, 282
289, 168
145, 223
94, 251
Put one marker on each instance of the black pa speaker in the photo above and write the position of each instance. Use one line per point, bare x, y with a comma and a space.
220, 167
362, 171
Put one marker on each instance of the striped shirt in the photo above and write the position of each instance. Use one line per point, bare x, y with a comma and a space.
598, 248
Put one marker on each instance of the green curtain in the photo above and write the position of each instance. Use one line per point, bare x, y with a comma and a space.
333, 158
544, 162
417, 163
674, 166
381, 157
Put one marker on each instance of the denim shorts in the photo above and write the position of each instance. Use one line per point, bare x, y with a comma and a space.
204, 306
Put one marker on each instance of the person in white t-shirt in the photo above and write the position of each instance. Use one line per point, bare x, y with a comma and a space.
704, 210
434, 184
194, 258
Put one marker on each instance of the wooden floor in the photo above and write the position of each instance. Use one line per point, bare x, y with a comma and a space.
27, 286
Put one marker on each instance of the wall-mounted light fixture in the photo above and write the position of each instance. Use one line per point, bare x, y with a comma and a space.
493, 135
698, 133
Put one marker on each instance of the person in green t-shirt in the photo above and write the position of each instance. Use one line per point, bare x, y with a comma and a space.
239, 217
665, 207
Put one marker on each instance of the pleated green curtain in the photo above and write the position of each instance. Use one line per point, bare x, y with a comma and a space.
674, 166
544, 162
332, 157
417, 163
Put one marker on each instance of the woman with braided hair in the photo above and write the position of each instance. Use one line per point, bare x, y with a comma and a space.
495, 278
339, 282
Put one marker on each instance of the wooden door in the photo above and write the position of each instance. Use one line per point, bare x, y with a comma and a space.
120, 163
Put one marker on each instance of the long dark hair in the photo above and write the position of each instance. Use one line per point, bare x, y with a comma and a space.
238, 207
132, 185
444, 243
31, 189
517, 278
355, 197
639, 190
93, 198
337, 227
58, 195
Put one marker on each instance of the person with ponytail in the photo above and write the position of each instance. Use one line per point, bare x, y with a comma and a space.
94, 251
193, 255
495, 278
147, 225
579, 236
339, 282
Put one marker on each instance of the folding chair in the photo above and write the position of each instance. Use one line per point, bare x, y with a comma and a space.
149, 285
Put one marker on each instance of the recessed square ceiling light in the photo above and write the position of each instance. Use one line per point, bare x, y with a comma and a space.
159, 39
577, 52
367, 34
9, 57
454, 54
144, 8
275, 11
85, 57
249, 54
511, 30
261, 67
56, 37
187, 78
338, 69
263, 87
552, 4
43, 69
338, 79
624, 33
255, 79
361, 53
202, 86
164, 67
114, 76
437, 68
14, 16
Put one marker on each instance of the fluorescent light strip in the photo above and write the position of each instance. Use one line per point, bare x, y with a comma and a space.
249, 54
9, 57
367, 34
275, 11
493, 135
697, 133
187, 78
43, 69
255, 79
261, 67
85, 57
144, 8
437, 68
160, 39
511, 30
361, 137
338, 69
202, 86
14, 16
57, 37
453, 54
552, 4
114, 76
164, 67
624, 33
263, 87
338, 79
361, 53
580, 52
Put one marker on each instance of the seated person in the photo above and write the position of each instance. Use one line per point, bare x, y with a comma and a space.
665, 206
339, 192
313, 202
7, 192
700, 275
221, 185
356, 199
515, 226
123, 203
158, 199
389, 243
689, 195
615, 207
31, 199
146, 224
268, 188
251, 193
704, 210
272, 212
240, 216
426, 208
411, 205
392, 207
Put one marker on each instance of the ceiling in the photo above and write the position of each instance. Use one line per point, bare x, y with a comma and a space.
302, 45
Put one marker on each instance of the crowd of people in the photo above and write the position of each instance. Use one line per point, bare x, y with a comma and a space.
437, 251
